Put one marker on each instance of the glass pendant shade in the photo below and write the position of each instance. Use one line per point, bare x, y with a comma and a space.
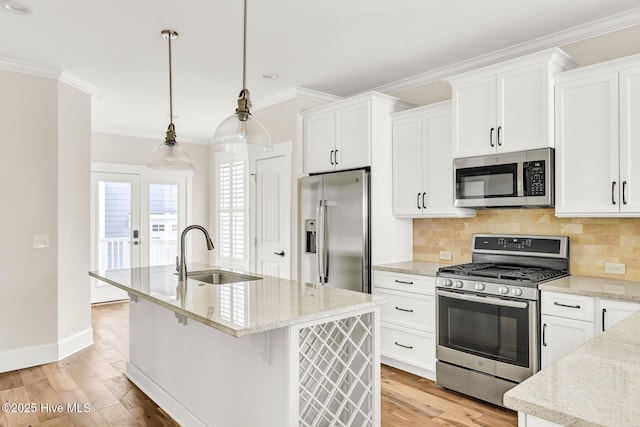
248, 135
170, 157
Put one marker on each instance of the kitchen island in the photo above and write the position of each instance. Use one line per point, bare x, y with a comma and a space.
257, 352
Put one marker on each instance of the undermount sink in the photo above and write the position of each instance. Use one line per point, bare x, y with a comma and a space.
218, 277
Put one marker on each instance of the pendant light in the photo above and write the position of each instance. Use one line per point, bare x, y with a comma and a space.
242, 131
168, 155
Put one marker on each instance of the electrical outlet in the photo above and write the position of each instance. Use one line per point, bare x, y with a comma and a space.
445, 255
614, 268
40, 241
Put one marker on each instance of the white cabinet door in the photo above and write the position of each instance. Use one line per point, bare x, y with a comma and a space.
630, 140
408, 166
353, 145
474, 111
560, 336
611, 312
319, 142
587, 156
523, 109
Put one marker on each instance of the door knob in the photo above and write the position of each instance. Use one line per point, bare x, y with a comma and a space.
281, 253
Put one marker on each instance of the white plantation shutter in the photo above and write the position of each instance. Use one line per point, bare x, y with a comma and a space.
233, 210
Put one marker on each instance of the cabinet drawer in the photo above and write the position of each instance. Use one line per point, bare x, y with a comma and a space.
415, 348
569, 306
408, 310
404, 282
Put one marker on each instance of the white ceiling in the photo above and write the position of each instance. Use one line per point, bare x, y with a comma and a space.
341, 47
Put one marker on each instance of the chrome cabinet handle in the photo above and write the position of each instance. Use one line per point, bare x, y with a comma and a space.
613, 189
604, 312
335, 157
544, 335
498, 136
410, 347
565, 305
424, 204
404, 309
624, 189
331, 157
403, 282
281, 253
491, 137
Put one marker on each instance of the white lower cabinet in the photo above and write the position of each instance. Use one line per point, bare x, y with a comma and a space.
407, 321
568, 321
611, 311
526, 420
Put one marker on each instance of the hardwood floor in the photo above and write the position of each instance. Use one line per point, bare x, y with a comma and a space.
95, 377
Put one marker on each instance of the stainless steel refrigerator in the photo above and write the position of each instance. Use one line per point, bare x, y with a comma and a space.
334, 208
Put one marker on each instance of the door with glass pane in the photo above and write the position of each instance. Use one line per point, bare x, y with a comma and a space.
115, 223
136, 221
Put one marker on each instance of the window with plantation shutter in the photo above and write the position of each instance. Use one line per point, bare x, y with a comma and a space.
232, 210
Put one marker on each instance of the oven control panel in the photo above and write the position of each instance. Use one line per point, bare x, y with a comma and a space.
488, 288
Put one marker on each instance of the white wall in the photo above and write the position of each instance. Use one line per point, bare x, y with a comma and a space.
74, 147
44, 306
108, 148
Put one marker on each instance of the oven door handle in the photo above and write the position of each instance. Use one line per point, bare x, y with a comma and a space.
483, 300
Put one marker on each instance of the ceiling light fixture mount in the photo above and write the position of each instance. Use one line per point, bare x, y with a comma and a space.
242, 131
167, 155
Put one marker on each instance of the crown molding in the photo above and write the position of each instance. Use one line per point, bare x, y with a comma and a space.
560, 38
23, 67
296, 93
38, 70
151, 136
78, 84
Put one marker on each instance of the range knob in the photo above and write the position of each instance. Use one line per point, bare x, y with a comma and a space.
459, 284
447, 282
516, 291
503, 290
479, 286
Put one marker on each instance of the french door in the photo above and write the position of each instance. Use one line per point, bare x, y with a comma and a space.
135, 220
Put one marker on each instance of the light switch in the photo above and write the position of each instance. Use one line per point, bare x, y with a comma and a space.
40, 241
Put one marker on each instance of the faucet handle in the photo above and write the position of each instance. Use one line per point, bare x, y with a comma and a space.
178, 264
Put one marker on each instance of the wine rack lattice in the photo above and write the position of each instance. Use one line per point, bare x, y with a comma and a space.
336, 370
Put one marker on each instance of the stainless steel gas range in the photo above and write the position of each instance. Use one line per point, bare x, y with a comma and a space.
488, 313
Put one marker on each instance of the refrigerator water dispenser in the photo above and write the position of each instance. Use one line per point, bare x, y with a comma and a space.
310, 235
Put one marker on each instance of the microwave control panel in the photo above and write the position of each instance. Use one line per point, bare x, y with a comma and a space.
534, 178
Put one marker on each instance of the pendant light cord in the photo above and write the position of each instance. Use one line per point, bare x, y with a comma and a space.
244, 49
169, 36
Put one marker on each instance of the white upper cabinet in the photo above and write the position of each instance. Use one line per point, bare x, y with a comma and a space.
423, 163
339, 136
506, 107
598, 140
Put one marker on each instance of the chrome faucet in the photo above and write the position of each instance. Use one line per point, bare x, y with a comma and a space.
181, 263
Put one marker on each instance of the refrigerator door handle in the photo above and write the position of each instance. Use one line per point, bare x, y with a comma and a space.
320, 243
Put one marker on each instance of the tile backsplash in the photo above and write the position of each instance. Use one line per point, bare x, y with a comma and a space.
593, 241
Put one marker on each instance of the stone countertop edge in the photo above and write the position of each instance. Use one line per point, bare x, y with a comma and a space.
420, 268
595, 287
593, 385
376, 301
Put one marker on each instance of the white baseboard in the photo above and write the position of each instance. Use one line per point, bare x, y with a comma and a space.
28, 357
46, 353
415, 370
74, 343
171, 406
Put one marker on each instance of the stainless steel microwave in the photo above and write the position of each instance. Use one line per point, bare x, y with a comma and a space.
520, 179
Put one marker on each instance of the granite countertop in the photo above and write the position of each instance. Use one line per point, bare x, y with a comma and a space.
597, 384
241, 308
421, 268
595, 287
